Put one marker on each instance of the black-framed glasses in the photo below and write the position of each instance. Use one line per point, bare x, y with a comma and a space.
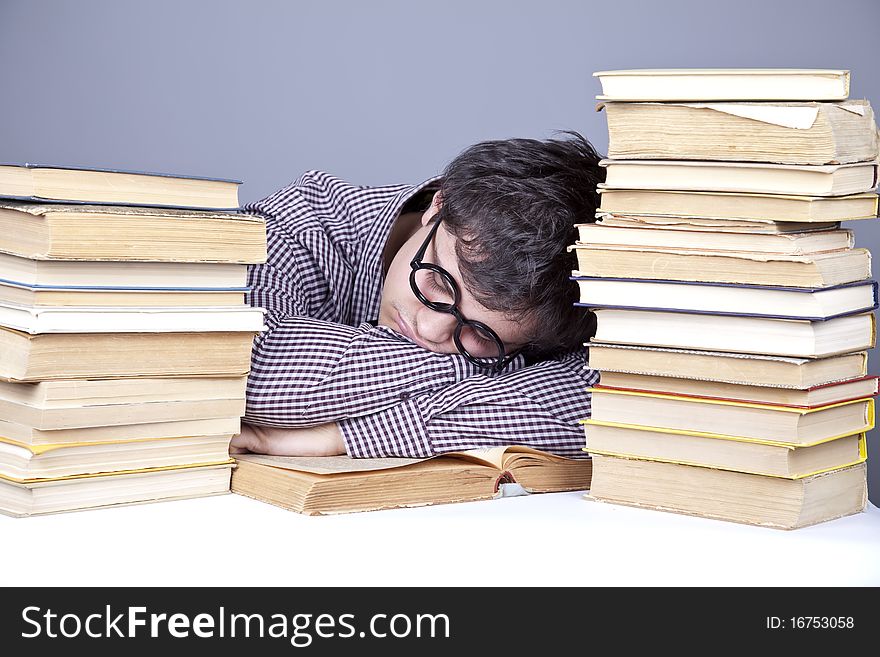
436, 289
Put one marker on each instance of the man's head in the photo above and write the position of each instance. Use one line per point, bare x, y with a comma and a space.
507, 211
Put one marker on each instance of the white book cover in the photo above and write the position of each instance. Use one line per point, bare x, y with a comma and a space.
745, 335
86, 319
749, 177
708, 84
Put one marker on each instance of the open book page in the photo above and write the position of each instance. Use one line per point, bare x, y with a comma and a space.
324, 465
494, 457
491, 456
502, 457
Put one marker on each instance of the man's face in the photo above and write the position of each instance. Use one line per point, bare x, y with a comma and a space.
402, 311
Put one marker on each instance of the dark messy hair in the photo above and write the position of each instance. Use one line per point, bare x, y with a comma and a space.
512, 206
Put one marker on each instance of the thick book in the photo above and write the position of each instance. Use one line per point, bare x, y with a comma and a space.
29, 436
132, 276
27, 464
704, 84
728, 298
782, 133
339, 484
770, 371
739, 334
96, 232
711, 225
22, 499
122, 319
751, 177
25, 357
817, 270
14, 293
110, 402
39, 182
599, 235
722, 418
738, 206
816, 395
755, 456
726, 495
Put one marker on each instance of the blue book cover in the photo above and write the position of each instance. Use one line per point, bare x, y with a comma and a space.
29, 165
801, 290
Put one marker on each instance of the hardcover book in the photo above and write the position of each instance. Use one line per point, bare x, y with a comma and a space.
20, 499
45, 356
97, 232
754, 456
29, 436
775, 502
110, 402
770, 371
144, 319
783, 133
648, 237
38, 182
728, 299
713, 225
734, 420
751, 177
811, 271
703, 84
815, 395
146, 276
339, 484
735, 333
738, 206
13, 293
28, 464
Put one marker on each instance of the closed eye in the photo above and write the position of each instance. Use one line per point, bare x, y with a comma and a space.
437, 287
479, 342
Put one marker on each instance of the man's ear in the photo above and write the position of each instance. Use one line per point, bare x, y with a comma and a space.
432, 211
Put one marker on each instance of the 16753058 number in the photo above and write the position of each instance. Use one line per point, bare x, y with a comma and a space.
810, 623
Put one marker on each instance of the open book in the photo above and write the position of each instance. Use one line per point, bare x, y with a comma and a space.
339, 484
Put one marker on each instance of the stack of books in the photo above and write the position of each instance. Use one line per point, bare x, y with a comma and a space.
125, 338
734, 313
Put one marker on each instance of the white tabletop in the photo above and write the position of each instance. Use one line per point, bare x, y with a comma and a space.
551, 539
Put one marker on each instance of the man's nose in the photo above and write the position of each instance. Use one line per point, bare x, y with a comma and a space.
435, 327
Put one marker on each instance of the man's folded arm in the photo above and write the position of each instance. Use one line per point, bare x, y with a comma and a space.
539, 406
306, 372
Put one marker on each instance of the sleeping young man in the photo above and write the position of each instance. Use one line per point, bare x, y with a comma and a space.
416, 320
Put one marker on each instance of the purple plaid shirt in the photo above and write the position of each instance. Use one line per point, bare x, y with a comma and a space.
323, 359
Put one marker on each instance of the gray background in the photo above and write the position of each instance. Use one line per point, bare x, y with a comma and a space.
377, 92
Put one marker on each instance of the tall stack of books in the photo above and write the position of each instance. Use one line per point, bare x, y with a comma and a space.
125, 338
734, 313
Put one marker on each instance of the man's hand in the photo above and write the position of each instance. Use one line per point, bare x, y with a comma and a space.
322, 440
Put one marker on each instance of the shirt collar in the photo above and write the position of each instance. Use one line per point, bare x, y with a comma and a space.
381, 228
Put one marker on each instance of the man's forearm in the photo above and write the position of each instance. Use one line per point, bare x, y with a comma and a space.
306, 372
539, 406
